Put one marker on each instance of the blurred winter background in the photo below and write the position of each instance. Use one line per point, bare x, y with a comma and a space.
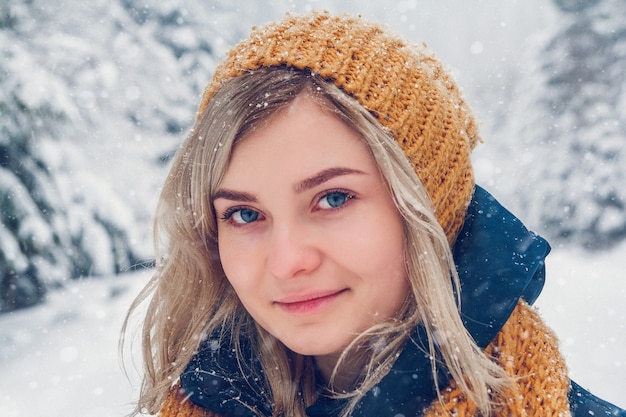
96, 96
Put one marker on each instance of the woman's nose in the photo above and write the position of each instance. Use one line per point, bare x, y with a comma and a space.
292, 252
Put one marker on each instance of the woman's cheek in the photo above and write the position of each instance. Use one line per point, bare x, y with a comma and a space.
238, 260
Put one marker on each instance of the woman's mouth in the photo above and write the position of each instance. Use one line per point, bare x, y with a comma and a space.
310, 303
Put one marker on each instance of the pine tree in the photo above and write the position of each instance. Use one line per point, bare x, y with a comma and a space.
53, 224
574, 112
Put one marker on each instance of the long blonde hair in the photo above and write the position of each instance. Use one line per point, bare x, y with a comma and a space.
190, 296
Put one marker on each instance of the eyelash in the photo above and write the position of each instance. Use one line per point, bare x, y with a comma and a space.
349, 196
227, 215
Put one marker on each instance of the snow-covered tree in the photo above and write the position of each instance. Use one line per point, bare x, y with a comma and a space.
66, 108
57, 220
569, 134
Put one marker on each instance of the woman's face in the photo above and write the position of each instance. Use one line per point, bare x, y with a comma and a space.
308, 234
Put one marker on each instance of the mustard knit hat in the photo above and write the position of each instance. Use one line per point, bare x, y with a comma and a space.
404, 86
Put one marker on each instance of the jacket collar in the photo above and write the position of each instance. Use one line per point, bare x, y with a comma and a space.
498, 261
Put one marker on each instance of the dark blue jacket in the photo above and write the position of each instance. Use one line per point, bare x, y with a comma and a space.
498, 260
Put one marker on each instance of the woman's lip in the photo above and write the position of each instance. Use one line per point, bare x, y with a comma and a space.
299, 298
308, 303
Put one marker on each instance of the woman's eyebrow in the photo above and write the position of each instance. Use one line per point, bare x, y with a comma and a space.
234, 196
324, 176
306, 184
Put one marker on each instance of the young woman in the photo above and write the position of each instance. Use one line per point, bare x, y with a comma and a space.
323, 250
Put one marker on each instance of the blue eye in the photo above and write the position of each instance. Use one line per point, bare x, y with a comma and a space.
241, 215
334, 199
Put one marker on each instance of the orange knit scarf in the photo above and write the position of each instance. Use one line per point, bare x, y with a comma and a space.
525, 347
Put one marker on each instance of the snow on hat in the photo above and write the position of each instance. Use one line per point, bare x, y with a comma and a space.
403, 85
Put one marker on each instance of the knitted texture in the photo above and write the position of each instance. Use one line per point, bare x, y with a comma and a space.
178, 405
525, 347
528, 350
404, 86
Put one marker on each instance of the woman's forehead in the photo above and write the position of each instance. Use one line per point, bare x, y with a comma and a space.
302, 138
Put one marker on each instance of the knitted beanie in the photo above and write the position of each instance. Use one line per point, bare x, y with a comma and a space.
404, 86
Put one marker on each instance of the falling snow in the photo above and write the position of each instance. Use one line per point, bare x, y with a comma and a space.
106, 91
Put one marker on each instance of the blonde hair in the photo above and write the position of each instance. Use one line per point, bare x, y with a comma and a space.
191, 296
